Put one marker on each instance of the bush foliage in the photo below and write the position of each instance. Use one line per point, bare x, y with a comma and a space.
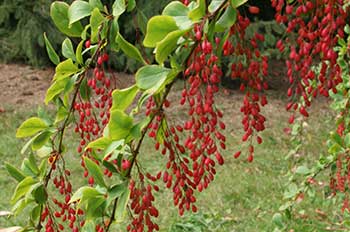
22, 24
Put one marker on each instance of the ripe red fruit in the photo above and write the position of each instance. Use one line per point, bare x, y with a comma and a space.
291, 119
198, 35
254, 10
91, 180
126, 164
87, 43
303, 111
250, 158
237, 154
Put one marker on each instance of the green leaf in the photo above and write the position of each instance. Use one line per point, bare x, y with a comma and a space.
199, 11
131, 5
40, 194
85, 193
277, 220
65, 69
30, 127
110, 166
118, 8
157, 28
67, 49
35, 213
30, 163
270, 39
15, 172
95, 171
302, 170
119, 125
96, 3
78, 10
226, 20
41, 140
100, 143
291, 192
96, 20
44, 152
117, 190
22, 188
29, 142
51, 51
78, 52
56, 88
179, 12
111, 148
142, 21
20, 205
84, 90
121, 206
113, 33
59, 15
151, 77
129, 49
214, 5
347, 140
278, 28
94, 207
42, 167
237, 3
336, 138
137, 128
122, 98
167, 45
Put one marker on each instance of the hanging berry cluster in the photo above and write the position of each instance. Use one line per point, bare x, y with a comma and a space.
251, 68
318, 25
141, 204
61, 209
193, 147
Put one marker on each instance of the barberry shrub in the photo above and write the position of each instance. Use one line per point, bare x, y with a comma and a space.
189, 40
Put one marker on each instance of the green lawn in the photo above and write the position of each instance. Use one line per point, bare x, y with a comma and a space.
243, 196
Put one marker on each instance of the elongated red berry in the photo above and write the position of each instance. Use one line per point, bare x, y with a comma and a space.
254, 10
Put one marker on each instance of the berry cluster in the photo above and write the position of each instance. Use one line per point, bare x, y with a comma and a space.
251, 68
62, 210
193, 147
318, 25
141, 202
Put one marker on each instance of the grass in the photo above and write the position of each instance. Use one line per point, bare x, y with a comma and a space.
243, 196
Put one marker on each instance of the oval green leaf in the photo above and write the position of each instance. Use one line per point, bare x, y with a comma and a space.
167, 45
226, 20
129, 49
95, 171
78, 10
51, 51
151, 77
30, 127
118, 8
67, 49
157, 28
59, 15
119, 125
122, 98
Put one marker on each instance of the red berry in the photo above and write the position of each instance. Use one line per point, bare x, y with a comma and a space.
91, 180
87, 43
237, 154
254, 10
126, 164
